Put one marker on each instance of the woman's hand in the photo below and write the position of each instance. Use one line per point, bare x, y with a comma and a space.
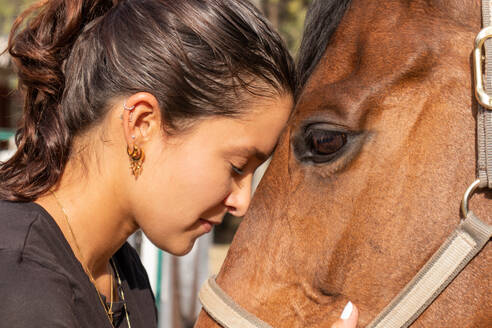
349, 317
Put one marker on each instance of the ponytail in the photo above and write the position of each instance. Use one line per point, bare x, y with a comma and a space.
40, 41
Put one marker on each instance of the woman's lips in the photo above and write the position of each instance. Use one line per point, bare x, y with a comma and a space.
207, 225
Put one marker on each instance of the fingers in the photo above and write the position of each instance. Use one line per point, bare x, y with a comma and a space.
349, 317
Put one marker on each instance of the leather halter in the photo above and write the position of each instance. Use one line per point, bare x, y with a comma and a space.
451, 258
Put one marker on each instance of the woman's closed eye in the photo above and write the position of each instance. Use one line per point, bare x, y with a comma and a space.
238, 170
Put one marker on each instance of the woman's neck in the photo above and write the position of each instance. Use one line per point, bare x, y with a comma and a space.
91, 214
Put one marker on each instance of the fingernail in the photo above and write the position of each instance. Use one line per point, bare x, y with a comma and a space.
347, 311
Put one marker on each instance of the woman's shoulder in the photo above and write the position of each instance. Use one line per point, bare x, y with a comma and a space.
33, 295
16, 220
31, 236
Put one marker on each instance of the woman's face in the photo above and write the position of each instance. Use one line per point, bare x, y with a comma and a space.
191, 180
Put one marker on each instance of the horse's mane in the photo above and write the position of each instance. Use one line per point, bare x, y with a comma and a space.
322, 19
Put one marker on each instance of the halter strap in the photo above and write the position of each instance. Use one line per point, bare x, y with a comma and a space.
224, 310
449, 260
452, 257
484, 114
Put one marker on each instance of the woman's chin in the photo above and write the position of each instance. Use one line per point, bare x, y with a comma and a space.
179, 250
183, 252
172, 244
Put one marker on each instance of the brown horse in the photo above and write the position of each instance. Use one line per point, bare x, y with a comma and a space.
367, 180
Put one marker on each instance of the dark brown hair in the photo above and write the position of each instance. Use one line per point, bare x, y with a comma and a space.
197, 57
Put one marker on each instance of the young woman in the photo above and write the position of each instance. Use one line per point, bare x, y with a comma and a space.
138, 114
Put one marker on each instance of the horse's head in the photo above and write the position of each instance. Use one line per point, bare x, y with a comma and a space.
367, 180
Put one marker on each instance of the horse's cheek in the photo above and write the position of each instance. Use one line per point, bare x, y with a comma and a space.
204, 321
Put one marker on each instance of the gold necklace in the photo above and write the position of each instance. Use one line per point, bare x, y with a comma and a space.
109, 313
122, 293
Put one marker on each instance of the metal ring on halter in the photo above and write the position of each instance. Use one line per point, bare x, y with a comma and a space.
466, 197
128, 108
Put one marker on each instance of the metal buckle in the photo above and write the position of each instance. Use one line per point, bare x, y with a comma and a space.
482, 97
466, 197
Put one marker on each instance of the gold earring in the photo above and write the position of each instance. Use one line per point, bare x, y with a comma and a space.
136, 156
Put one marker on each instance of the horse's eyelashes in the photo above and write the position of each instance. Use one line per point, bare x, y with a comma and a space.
326, 142
322, 143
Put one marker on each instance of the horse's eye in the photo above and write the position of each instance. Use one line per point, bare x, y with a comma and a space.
322, 143
326, 143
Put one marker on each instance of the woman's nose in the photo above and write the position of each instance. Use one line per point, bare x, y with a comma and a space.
239, 199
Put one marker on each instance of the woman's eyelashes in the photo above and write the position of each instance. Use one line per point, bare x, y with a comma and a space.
238, 170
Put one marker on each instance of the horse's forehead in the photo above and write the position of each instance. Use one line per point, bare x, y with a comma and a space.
373, 48
374, 37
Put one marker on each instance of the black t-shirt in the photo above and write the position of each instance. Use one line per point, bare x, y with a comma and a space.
42, 284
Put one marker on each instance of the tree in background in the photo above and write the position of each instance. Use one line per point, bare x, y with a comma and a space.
288, 18
9, 9
286, 15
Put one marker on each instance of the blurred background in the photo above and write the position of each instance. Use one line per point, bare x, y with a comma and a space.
175, 281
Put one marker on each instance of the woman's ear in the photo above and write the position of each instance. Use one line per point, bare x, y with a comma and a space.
141, 118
